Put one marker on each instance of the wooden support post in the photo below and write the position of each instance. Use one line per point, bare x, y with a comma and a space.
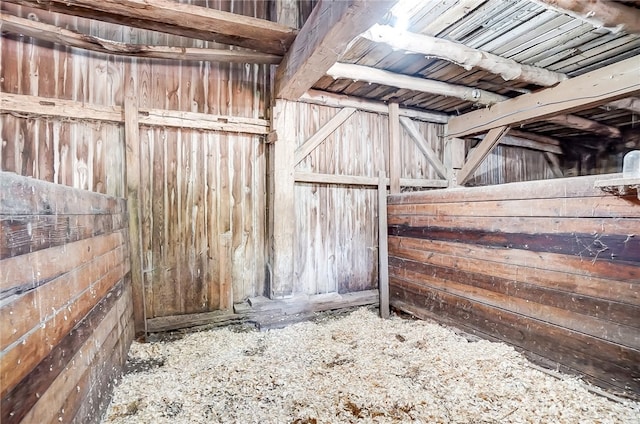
327, 129
554, 163
424, 147
395, 159
281, 218
132, 140
484, 148
453, 158
383, 249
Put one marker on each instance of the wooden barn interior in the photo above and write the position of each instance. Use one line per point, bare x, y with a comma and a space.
172, 164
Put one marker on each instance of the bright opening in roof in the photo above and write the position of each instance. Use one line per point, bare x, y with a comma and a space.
401, 13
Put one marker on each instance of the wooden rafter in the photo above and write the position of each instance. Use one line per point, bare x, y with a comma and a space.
54, 34
462, 55
322, 40
379, 76
179, 19
325, 98
595, 88
606, 13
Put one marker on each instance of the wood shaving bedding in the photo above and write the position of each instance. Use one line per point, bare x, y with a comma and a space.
358, 368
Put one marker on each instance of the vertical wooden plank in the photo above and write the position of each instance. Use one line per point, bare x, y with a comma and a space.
383, 249
132, 140
395, 157
281, 203
453, 158
226, 265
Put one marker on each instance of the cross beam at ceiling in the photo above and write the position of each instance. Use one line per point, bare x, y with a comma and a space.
179, 19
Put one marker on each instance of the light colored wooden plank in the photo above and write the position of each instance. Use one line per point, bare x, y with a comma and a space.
605, 13
462, 55
383, 250
181, 19
324, 37
391, 79
281, 200
424, 147
314, 141
41, 106
325, 98
313, 177
452, 15
631, 103
603, 85
484, 148
395, 154
132, 140
66, 37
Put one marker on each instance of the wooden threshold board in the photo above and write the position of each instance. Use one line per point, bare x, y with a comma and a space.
266, 313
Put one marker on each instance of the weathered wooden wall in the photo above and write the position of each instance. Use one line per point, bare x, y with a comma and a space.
65, 300
506, 164
202, 191
552, 267
336, 231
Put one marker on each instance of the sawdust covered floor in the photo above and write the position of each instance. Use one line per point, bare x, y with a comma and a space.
357, 368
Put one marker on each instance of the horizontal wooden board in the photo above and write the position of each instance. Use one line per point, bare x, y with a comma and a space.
447, 280
43, 386
28, 196
35, 307
593, 246
20, 274
519, 224
628, 274
23, 234
602, 361
19, 359
589, 207
522, 286
542, 189
575, 284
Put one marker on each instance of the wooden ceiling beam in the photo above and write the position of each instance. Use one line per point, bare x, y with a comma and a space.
54, 34
602, 13
324, 37
380, 76
458, 53
179, 19
631, 103
612, 82
483, 97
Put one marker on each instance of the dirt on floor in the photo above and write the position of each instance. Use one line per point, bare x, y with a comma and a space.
356, 368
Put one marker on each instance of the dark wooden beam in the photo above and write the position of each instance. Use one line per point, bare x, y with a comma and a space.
178, 19
66, 37
322, 40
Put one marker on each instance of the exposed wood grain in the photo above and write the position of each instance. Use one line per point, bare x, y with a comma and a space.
554, 279
180, 19
608, 14
484, 148
339, 100
609, 83
313, 141
322, 40
395, 149
311, 177
383, 250
44, 379
66, 37
424, 146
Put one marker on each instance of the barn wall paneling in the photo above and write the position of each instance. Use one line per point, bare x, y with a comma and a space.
552, 267
65, 300
336, 233
203, 191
